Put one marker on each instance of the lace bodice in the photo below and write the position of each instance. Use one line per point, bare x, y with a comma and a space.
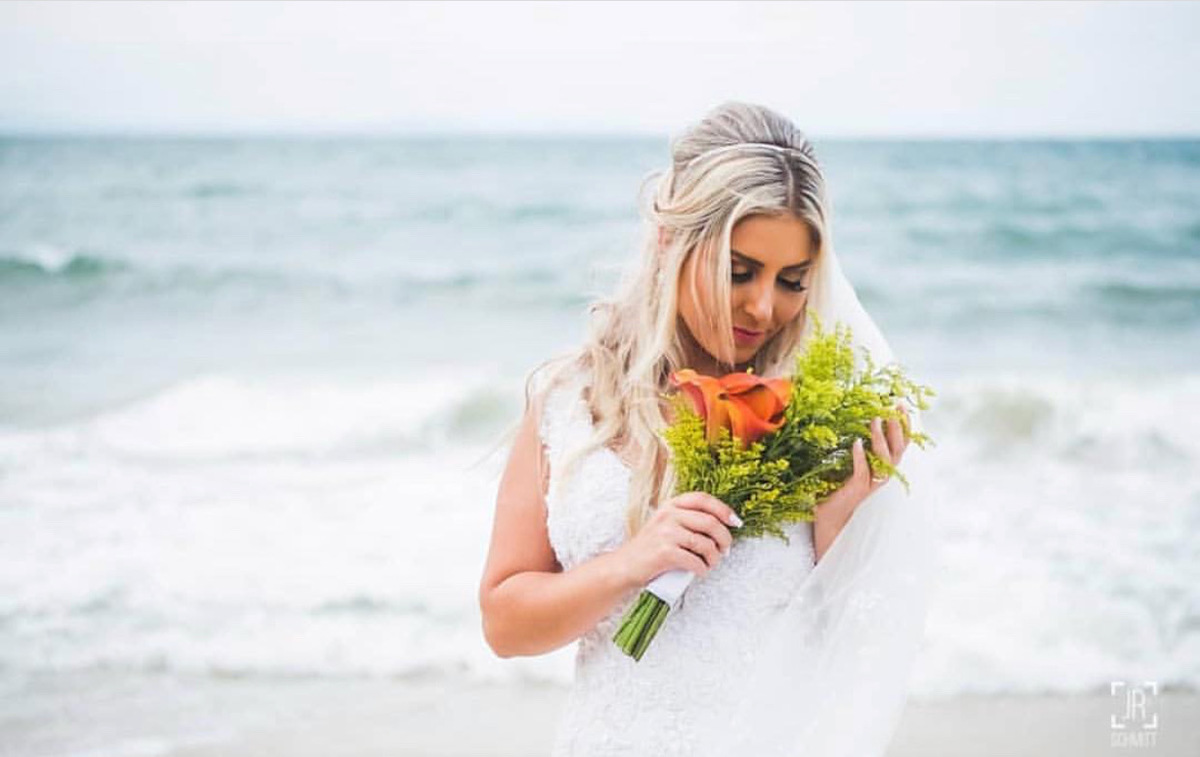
618, 706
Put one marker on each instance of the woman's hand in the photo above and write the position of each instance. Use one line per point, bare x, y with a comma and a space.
688, 531
890, 443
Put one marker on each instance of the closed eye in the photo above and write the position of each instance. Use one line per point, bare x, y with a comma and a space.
793, 285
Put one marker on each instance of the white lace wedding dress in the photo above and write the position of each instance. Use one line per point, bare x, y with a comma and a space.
768, 655
704, 649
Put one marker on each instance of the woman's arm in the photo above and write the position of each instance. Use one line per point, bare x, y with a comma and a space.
529, 605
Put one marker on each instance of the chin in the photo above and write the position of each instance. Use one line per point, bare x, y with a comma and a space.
740, 358
745, 356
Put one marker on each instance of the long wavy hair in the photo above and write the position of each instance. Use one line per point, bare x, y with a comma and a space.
740, 160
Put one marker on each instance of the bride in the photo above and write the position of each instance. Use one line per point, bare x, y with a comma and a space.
796, 647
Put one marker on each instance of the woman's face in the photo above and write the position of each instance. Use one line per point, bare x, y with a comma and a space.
771, 259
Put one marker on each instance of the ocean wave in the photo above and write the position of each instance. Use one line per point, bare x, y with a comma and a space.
1131, 422
306, 526
51, 266
1058, 238
228, 416
205, 190
396, 648
46, 262
201, 190
1157, 295
1064, 508
221, 416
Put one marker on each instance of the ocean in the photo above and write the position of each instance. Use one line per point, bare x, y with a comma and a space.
251, 392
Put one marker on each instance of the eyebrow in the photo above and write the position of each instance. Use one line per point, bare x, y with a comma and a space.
758, 264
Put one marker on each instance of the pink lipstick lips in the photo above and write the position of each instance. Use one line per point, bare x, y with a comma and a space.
744, 336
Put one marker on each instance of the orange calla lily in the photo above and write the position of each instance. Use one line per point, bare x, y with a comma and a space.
749, 406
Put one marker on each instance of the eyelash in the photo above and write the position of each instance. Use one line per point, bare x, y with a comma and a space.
742, 278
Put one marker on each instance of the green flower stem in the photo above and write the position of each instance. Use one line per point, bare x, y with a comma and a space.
640, 624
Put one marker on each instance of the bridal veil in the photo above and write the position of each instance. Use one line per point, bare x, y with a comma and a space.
831, 675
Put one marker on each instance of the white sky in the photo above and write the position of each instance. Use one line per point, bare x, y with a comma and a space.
838, 69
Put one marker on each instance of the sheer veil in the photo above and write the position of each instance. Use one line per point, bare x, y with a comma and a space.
831, 674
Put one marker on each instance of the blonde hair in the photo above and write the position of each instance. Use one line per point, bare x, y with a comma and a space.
739, 160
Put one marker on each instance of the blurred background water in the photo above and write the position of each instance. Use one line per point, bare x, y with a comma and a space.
246, 386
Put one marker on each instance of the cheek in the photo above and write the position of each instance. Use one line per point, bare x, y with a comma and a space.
789, 308
737, 299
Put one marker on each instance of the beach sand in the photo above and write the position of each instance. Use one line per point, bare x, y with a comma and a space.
369, 718
105, 715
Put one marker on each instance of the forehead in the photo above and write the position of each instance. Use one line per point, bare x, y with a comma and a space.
776, 241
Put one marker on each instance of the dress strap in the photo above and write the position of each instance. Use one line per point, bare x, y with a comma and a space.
565, 422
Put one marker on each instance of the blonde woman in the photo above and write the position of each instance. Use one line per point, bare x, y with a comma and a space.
792, 648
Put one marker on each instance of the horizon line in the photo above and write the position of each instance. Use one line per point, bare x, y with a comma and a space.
632, 134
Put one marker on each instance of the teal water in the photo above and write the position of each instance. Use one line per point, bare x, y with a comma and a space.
1063, 256
244, 385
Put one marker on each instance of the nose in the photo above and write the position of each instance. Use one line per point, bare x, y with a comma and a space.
760, 305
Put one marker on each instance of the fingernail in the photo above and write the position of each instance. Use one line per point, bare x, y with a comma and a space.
734, 520
858, 443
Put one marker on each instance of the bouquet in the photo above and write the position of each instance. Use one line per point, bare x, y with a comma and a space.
772, 449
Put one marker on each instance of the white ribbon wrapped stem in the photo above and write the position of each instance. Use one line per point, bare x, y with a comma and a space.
669, 586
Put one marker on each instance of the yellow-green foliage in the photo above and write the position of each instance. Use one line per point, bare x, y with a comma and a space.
782, 477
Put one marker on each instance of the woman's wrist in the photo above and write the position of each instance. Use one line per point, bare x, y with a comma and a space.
825, 530
620, 570
829, 519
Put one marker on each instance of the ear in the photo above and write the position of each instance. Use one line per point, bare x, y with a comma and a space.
664, 237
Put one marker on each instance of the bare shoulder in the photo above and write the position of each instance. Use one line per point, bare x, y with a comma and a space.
520, 539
